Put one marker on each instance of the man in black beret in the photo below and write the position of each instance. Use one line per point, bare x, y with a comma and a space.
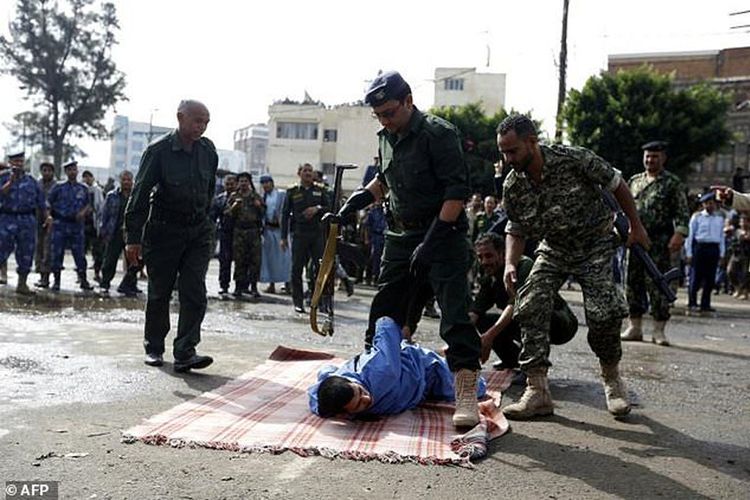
421, 166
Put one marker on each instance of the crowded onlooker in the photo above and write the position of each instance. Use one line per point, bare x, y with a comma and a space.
739, 258
275, 262
485, 219
42, 254
473, 208
704, 247
374, 225
69, 202
224, 224
246, 208
92, 223
113, 216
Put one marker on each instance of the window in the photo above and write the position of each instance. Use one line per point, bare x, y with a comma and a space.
330, 135
294, 130
454, 84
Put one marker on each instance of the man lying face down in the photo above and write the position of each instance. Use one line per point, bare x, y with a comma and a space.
389, 378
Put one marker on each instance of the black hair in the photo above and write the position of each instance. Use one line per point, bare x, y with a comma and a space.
333, 394
45, 165
87, 172
520, 124
493, 239
246, 175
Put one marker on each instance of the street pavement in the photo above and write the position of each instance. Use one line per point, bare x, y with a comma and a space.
72, 378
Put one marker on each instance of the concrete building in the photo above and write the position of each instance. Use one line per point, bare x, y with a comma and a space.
253, 142
311, 132
727, 69
129, 140
461, 86
233, 161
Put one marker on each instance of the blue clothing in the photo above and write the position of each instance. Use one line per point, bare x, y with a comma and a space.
112, 213
398, 375
706, 228
66, 199
216, 213
18, 221
275, 264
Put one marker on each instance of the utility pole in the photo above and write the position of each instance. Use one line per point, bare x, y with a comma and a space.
563, 68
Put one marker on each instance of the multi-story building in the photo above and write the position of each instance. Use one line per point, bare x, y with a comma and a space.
253, 141
129, 140
311, 132
727, 69
461, 86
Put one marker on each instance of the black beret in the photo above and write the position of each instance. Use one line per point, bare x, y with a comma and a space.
71, 163
385, 87
17, 156
710, 196
655, 146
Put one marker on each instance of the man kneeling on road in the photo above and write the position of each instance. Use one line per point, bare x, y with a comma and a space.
500, 332
388, 378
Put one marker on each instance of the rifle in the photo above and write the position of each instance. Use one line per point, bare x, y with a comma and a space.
324, 281
622, 226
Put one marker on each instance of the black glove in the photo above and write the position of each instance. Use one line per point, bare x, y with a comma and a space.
421, 258
361, 198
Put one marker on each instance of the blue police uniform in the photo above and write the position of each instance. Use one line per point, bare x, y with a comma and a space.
66, 199
18, 220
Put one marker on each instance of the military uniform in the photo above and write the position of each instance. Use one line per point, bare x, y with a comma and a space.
113, 215
563, 324
66, 200
566, 213
422, 169
43, 237
224, 225
18, 219
663, 210
483, 223
173, 224
246, 246
307, 240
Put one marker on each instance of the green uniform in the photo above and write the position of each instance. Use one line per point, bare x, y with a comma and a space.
307, 234
566, 213
422, 169
663, 209
246, 241
173, 224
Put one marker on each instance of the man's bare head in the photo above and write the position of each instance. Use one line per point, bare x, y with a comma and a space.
193, 118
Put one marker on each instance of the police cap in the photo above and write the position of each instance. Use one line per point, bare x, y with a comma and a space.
385, 87
710, 196
655, 146
71, 163
266, 178
17, 156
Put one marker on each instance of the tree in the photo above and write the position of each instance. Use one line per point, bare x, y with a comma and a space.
61, 57
479, 137
614, 115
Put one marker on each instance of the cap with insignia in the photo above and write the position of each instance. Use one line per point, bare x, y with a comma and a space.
710, 196
266, 178
655, 146
385, 87
71, 163
17, 156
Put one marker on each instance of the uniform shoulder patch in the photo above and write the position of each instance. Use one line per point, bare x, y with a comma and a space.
437, 126
208, 143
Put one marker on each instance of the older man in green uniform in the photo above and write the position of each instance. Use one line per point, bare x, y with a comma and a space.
552, 194
172, 225
422, 168
304, 205
662, 206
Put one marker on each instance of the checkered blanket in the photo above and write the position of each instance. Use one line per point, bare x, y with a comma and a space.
266, 410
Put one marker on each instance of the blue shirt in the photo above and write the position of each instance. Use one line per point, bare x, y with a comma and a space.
706, 228
398, 375
24, 196
67, 199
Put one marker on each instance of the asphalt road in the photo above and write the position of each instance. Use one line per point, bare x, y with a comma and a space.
72, 378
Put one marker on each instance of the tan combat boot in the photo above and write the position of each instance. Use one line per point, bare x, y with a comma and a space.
536, 399
658, 336
22, 288
614, 389
467, 406
634, 331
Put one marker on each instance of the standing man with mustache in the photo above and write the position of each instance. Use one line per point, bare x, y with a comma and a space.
552, 194
171, 229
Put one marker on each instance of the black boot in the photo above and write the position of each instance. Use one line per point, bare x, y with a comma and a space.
43, 281
83, 282
254, 290
56, 282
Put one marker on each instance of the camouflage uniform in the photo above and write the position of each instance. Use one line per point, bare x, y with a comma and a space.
662, 207
18, 220
43, 237
566, 213
66, 199
246, 243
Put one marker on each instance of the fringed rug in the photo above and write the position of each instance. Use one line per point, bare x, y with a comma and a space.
266, 410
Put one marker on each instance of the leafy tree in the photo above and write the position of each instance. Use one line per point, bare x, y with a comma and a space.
60, 53
479, 137
614, 115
